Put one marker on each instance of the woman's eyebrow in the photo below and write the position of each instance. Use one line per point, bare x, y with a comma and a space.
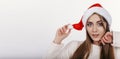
89, 22
99, 21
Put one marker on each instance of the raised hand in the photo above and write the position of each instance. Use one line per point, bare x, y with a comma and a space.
107, 38
61, 34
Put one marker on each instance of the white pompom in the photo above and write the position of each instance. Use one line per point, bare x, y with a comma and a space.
70, 26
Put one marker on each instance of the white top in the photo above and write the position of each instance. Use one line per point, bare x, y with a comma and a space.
95, 52
65, 52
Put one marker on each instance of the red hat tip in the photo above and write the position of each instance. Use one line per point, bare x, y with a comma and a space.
95, 5
78, 26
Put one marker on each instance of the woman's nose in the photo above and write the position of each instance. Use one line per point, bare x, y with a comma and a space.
94, 29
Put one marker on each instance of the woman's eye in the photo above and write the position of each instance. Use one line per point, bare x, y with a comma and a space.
100, 24
89, 24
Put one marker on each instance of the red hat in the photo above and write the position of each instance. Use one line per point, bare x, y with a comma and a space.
95, 8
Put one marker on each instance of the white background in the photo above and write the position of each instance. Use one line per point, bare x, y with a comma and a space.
27, 27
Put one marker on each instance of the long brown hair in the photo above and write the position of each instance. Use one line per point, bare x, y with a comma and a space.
83, 51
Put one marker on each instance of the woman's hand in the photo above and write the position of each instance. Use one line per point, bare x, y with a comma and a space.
61, 34
107, 38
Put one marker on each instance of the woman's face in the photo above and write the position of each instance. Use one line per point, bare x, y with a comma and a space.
95, 27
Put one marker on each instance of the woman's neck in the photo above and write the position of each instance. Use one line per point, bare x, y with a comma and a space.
96, 42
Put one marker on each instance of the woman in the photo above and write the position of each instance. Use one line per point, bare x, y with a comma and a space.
100, 43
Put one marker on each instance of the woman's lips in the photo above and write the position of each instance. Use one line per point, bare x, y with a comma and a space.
95, 35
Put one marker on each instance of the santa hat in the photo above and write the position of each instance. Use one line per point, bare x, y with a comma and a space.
95, 8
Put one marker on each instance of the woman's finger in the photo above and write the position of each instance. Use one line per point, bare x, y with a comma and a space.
63, 30
110, 33
106, 41
106, 37
58, 31
69, 30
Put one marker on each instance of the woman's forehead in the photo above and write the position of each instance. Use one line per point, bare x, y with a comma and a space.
94, 18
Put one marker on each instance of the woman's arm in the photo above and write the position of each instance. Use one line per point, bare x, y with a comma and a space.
53, 51
56, 46
61, 34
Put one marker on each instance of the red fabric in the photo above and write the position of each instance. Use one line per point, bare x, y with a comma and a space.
95, 5
78, 26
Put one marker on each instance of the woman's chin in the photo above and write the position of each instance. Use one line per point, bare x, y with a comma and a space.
96, 39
